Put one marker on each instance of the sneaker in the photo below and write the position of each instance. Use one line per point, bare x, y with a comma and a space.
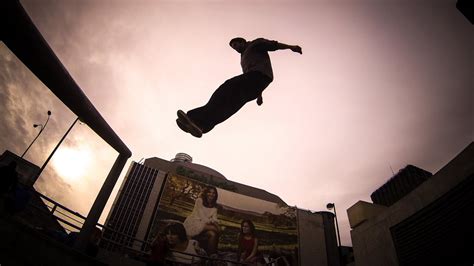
181, 125
187, 125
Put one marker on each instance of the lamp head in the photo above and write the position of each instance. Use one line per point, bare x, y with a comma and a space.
49, 112
329, 206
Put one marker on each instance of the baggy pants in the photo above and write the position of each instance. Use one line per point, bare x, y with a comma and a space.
228, 99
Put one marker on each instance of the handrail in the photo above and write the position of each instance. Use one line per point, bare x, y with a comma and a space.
56, 205
68, 216
59, 218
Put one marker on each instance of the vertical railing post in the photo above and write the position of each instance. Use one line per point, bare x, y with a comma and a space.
54, 208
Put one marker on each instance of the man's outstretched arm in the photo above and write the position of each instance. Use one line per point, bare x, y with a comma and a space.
269, 45
283, 46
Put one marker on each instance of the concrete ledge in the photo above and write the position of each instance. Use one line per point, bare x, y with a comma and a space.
363, 211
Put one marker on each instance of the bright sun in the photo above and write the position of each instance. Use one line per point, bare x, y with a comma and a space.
71, 164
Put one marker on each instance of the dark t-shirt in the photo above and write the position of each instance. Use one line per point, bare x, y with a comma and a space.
255, 57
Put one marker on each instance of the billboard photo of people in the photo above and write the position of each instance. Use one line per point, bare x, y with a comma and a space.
226, 224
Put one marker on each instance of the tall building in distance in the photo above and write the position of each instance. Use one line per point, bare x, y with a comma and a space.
406, 180
159, 192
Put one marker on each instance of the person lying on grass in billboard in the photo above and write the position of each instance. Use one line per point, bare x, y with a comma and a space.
202, 222
173, 245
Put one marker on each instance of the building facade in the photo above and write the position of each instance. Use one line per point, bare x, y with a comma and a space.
158, 191
430, 225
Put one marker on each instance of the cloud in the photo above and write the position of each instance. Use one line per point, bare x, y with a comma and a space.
53, 186
24, 101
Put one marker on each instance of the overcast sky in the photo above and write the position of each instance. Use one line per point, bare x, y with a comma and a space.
380, 84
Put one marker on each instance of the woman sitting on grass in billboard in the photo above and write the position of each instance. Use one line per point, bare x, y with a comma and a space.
248, 243
202, 222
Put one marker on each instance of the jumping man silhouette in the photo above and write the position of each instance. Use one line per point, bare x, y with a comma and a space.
237, 91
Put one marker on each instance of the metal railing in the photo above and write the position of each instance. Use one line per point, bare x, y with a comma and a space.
69, 217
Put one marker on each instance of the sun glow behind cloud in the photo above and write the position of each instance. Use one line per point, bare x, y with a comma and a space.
72, 163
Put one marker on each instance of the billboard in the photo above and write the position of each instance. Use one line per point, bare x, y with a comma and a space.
227, 224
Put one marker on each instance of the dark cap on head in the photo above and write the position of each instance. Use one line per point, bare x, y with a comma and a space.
237, 39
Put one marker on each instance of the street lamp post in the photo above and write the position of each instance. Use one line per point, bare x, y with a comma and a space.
41, 130
55, 148
333, 206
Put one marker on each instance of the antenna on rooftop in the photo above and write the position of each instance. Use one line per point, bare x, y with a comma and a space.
393, 173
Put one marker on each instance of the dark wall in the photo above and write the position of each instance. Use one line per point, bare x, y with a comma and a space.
442, 233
